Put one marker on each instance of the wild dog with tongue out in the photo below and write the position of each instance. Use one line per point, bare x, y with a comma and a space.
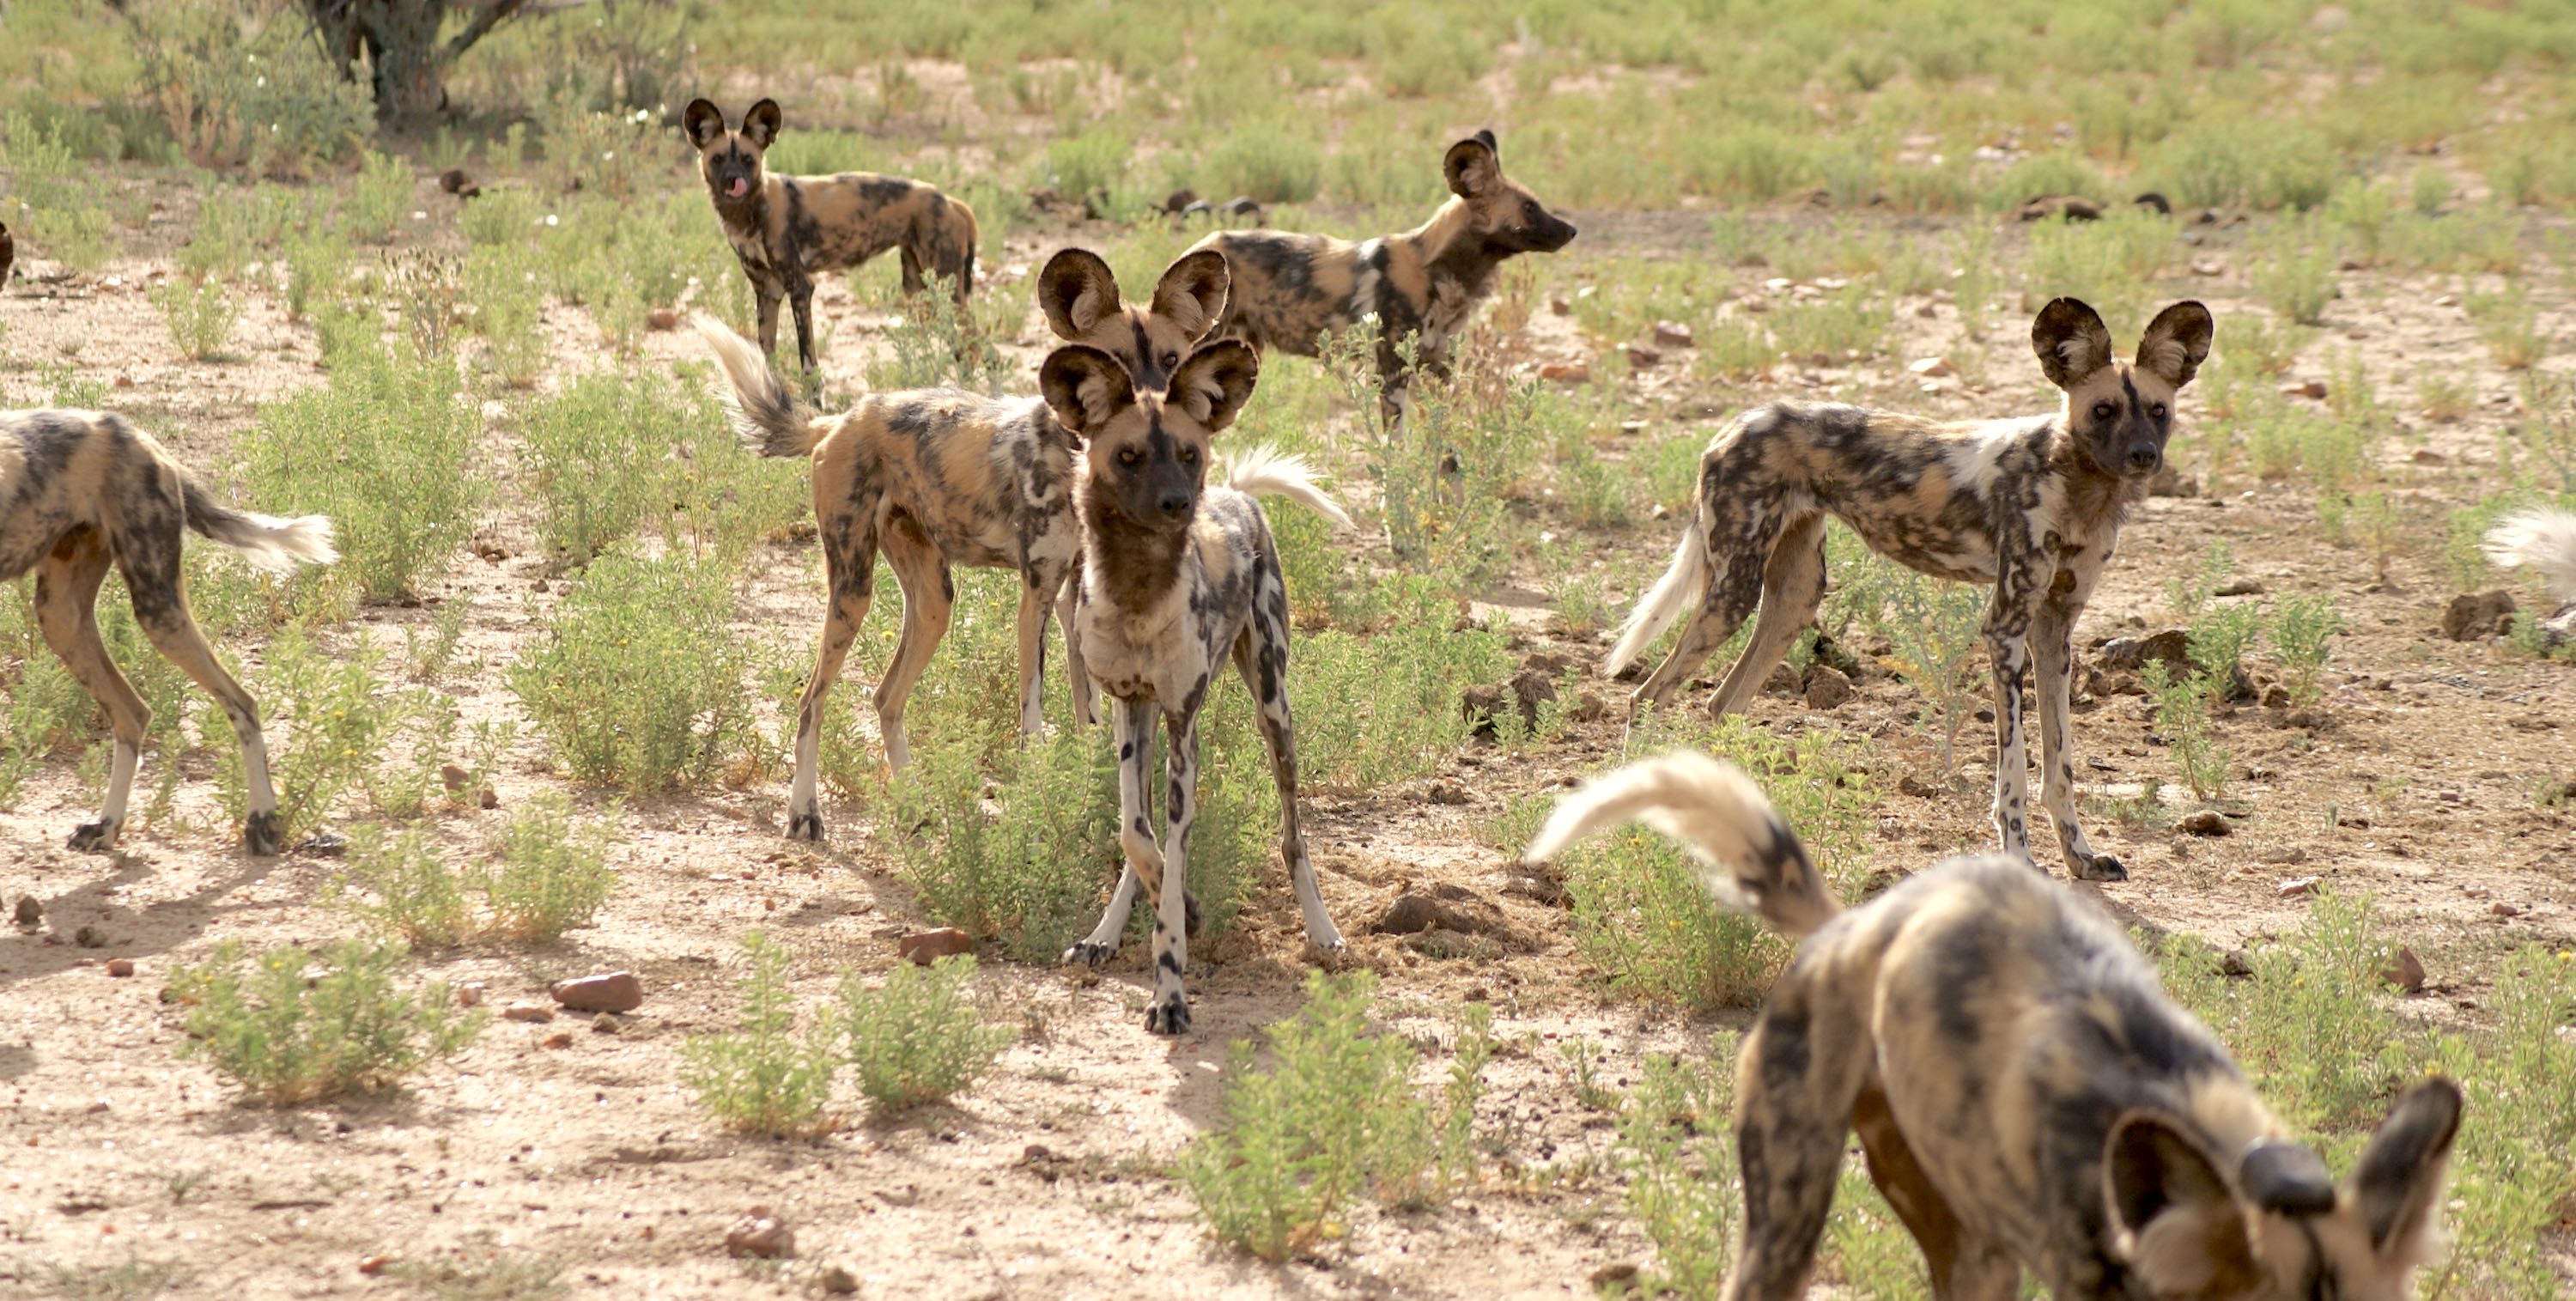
789, 229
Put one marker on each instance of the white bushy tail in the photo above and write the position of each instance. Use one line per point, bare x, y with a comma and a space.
1663, 602
1756, 863
766, 413
2541, 539
1266, 472
267, 542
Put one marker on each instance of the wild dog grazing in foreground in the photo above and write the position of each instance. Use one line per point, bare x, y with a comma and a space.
2543, 540
788, 229
1178, 576
2031, 504
80, 490
940, 477
2026, 1096
1290, 290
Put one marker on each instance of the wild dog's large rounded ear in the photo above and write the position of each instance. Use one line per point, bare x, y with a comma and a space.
1215, 382
2176, 1220
1085, 387
703, 122
2071, 341
1473, 165
2398, 1184
2286, 1179
2176, 342
760, 125
1076, 291
1193, 291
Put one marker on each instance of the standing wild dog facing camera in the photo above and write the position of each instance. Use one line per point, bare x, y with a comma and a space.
2030, 504
81, 490
1291, 290
788, 229
2026, 1095
1179, 576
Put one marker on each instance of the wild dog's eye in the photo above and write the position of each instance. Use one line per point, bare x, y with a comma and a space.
1529, 209
1127, 456
2158, 411
1189, 456
2103, 410
1171, 359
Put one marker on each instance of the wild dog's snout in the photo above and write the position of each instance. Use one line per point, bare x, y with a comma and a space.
2144, 457
1174, 503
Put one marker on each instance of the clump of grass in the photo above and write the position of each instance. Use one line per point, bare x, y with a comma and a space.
344, 731
2302, 627
2190, 594
201, 316
637, 680
410, 892
1027, 868
2510, 324
2182, 717
292, 1026
1333, 1118
554, 874
612, 449
382, 196
917, 1038
1677, 1145
2294, 271
1267, 162
1384, 708
764, 1078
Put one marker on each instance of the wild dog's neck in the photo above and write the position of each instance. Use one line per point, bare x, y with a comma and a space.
1449, 247
1137, 566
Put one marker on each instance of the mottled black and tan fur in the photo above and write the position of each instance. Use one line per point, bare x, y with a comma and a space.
2032, 505
81, 490
1291, 290
2026, 1096
786, 230
1179, 576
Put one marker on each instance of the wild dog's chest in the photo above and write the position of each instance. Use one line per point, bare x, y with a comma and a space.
1163, 645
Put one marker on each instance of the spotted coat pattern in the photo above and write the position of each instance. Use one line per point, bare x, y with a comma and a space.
1179, 576
786, 230
2030, 506
83, 490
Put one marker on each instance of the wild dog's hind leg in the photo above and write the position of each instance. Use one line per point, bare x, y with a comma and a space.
1741, 535
1261, 656
929, 596
1793, 585
152, 576
1963, 1266
1086, 693
850, 573
2018, 576
1040, 586
1134, 722
2052, 639
1798, 1078
67, 611
1169, 1013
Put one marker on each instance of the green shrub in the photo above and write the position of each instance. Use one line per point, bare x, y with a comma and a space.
2182, 718
612, 449
245, 85
763, 1079
554, 874
52, 196
1677, 1145
917, 1038
637, 679
345, 732
411, 892
201, 316
1384, 708
291, 1026
2294, 271
1028, 871
1333, 1118
2301, 628
1268, 163
382, 197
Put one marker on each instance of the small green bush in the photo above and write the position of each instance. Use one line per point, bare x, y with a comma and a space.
917, 1038
554, 874
637, 679
410, 892
382, 197
1677, 1145
1268, 162
763, 1079
2301, 628
2294, 271
246, 85
292, 1026
613, 449
201, 316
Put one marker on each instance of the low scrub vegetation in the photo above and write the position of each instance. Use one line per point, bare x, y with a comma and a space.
292, 1026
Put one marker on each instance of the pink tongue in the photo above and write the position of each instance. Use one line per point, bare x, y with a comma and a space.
740, 188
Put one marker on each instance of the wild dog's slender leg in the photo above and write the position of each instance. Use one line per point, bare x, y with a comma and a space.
2053, 651
67, 611
152, 575
2019, 572
1741, 535
850, 574
913, 281
1799, 1075
1038, 590
1793, 585
1963, 1267
929, 596
770, 294
1170, 1011
1086, 694
800, 294
1134, 722
1261, 656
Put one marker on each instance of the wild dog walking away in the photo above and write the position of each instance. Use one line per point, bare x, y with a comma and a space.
788, 229
80, 490
2031, 504
939, 477
1290, 290
1177, 577
2025, 1094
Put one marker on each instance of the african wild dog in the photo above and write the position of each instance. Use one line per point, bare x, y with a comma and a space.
1179, 575
80, 490
2031, 504
939, 477
788, 229
2026, 1095
1291, 290
2544, 541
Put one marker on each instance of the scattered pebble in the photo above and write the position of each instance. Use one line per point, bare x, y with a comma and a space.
928, 947
1932, 367
2405, 971
2478, 616
1642, 357
759, 1233
1674, 334
2235, 962
1827, 688
615, 991
470, 994
453, 777
531, 1012
2295, 887
372, 1265
2241, 587
559, 1039
29, 912
839, 1281
1566, 372
120, 967
1447, 792
88, 937
604, 1023
2207, 822
662, 318
2315, 388
2502, 909
1616, 1272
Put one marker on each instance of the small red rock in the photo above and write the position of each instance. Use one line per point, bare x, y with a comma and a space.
373, 1264
559, 1039
452, 777
759, 1233
662, 318
930, 946
125, 381
1674, 334
2405, 970
490, 799
120, 967
535, 1012
2315, 388
2295, 886
1643, 357
2500, 908
615, 991
1566, 372
1932, 367
470, 994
